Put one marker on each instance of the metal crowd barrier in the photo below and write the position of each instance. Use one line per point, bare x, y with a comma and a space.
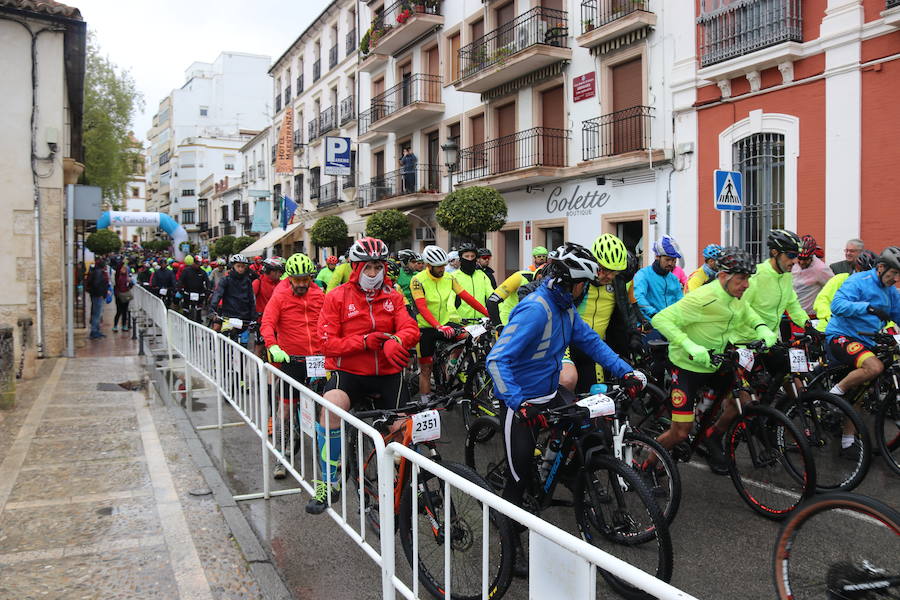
257, 390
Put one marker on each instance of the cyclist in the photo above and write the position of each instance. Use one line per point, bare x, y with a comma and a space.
505, 297
365, 335
263, 287
393, 269
453, 261
484, 263
327, 271
163, 283
810, 274
472, 279
705, 321
822, 306
290, 323
538, 258
408, 262
525, 362
432, 293
339, 276
655, 286
193, 280
705, 272
233, 297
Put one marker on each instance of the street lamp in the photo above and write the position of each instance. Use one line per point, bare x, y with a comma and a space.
451, 158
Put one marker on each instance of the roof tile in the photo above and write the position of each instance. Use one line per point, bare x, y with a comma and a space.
44, 7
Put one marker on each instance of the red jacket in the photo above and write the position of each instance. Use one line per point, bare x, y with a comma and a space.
347, 316
263, 288
291, 321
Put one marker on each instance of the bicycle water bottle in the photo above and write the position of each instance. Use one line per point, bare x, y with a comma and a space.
598, 388
549, 458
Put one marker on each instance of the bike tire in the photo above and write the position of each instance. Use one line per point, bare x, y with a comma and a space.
874, 521
650, 410
887, 430
466, 583
607, 483
819, 416
665, 484
479, 388
486, 451
780, 463
365, 481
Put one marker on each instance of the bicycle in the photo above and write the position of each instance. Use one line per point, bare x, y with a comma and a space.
840, 546
614, 509
237, 330
417, 425
192, 306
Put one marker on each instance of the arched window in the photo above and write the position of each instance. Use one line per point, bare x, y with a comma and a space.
760, 158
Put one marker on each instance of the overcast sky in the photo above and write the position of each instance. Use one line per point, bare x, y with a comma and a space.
157, 40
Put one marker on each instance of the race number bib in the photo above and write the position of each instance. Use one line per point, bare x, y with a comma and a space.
195, 296
476, 330
426, 426
315, 366
745, 358
308, 417
235, 323
163, 291
897, 339
598, 405
799, 362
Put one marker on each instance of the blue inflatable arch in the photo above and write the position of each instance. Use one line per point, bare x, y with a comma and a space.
144, 219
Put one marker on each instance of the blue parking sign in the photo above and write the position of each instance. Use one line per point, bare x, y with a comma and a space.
337, 156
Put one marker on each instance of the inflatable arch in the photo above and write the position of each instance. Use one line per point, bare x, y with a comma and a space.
117, 218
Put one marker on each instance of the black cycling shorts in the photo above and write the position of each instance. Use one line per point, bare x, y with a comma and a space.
388, 391
849, 351
428, 341
687, 384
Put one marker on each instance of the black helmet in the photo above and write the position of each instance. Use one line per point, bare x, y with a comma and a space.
890, 258
866, 260
467, 247
406, 255
783, 240
482, 252
736, 260
393, 269
631, 268
575, 264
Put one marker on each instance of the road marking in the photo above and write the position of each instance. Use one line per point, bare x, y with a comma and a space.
55, 554
189, 574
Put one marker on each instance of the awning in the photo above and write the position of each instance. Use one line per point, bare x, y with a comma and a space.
269, 240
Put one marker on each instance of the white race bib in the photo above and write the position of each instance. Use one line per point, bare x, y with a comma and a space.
814, 323
315, 366
235, 323
476, 330
195, 296
163, 291
598, 405
897, 339
745, 358
799, 362
426, 426
308, 417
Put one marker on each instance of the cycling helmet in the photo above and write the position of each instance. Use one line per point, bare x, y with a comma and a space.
575, 264
782, 240
239, 258
484, 253
299, 264
808, 246
331, 260
170, 261
276, 263
866, 260
713, 251
467, 247
610, 252
666, 246
393, 268
188, 260
406, 255
890, 258
539, 251
368, 249
435, 256
736, 260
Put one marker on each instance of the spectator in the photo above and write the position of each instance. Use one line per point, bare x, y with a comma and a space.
408, 164
851, 252
809, 274
123, 296
97, 285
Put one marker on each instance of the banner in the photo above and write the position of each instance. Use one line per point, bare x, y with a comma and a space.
284, 155
262, 212
143, 219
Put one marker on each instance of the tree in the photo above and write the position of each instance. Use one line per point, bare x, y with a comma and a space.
242, 242
328, 231
110, 101
103, 241
388, 225
472, 210
224, 246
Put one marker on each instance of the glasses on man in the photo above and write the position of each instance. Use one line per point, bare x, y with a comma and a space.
792, 255
301, 279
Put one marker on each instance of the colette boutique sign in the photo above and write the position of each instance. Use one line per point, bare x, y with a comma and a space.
577, 204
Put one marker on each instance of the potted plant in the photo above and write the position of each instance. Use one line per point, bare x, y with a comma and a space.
404, 15
556, 34
364, 42
588, 24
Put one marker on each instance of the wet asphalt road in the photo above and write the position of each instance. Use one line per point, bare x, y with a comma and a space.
722, 549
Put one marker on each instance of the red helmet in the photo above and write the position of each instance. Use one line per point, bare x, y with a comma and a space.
807, 246
331, 260
368, 249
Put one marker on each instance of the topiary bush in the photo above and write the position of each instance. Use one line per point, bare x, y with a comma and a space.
328, 231
472, 210
103, 241
388, 225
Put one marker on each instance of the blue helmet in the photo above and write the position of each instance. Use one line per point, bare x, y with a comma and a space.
713, 251
666, 246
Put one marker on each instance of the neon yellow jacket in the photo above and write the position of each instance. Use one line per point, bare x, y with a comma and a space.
771, 294
822, 303
339, 276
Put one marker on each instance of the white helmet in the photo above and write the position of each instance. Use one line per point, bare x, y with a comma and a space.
575, 263
435, 256
239, 258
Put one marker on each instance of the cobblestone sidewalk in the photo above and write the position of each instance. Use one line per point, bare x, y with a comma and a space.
99, 496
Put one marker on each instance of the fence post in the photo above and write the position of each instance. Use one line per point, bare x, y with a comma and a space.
218, 378
187, 386
263, 424
385, 462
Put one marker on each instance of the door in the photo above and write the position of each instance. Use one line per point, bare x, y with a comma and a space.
506, 33
478, 51
378, 111
477, 155
378, 180
505, 152
406, 91
632, 234
433, 155
432, 83
510, 252
553, 119
627, 98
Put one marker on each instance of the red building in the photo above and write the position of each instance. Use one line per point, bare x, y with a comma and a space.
801, 96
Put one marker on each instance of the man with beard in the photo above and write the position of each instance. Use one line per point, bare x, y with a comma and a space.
484, 263
234, 297
472, 279
655, 286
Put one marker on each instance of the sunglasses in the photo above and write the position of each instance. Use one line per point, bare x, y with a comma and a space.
300, 279
792, 255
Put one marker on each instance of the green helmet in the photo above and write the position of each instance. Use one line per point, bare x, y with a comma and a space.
610, 252
299, 264
539, 251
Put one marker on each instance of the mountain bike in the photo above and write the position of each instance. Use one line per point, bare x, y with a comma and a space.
192, 306
839, 546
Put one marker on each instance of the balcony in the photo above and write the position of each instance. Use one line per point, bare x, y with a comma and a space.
299, 84
348, 110
734, 39
533, 40
349, 180
327, 120
314, 189
371, 62
332, 57
891, 16
891, 4
402, 22
298, 139
403, 107
278, 103
605, 20
525, 157
317, 70
351, 42
227, 229
400, 190
328, 195
618, 141
313, 128
203, 226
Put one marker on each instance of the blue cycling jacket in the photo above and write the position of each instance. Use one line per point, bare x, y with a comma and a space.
526, 360
655, 292
848, 308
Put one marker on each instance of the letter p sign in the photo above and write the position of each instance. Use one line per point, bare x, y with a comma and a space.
337, 156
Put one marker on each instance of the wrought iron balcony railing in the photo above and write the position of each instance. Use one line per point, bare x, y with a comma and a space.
298, 138
623, 131
416, 88
597, 13
313, 128
351, 42
299, 84
329, 195
536, 147
398, 13
744, 27
317, 70
423, 179
287, 95
278, 103
348, 109
327, 120
333, 56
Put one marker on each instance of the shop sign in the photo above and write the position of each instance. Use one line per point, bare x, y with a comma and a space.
584, 87
577, 204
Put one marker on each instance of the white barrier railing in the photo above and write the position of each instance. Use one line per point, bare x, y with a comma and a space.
256, 390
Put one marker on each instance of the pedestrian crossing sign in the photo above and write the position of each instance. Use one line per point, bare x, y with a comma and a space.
729, 190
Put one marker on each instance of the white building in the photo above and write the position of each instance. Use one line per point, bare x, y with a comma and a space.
200, 128
257, 178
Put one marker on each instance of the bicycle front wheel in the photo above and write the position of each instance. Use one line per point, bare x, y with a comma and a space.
616, 512
887, 430
839, 546
662, 479
468, 546
486, 451
770, 462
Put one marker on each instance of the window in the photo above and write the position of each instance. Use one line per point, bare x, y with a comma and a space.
229, 166
760, 158
187, 192
230, 160
553, 237
204, 111
135, 192
298, 189
187, 217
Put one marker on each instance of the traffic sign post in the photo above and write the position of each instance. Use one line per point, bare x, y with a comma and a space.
728, 197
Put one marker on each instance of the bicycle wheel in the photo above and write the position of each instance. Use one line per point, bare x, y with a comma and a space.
887, 430
650, 411
616, 512
839, 546
820, 417
479, 388
663, 480
770, 462
466, 542
362, 475
486, 451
